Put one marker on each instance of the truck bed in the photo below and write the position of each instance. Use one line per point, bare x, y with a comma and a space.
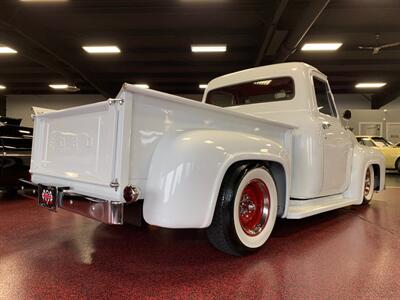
96, 148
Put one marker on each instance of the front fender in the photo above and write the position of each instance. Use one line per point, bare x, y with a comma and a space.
362, 158
187, 169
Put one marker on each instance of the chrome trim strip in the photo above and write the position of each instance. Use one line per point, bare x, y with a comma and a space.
108, 212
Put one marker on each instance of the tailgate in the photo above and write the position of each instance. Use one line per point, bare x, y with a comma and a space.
78, 144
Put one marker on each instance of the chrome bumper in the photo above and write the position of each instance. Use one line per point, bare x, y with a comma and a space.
107, 212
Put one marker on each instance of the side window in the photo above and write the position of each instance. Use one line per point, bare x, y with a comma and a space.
324, 98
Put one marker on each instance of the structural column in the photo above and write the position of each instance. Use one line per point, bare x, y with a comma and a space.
3, 105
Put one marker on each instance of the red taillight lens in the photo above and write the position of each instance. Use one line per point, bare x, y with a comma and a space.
131, 194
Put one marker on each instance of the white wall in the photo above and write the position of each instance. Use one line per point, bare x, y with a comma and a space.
385, 118
351, 101
19, 106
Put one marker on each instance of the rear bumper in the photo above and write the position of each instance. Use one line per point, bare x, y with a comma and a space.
108, 212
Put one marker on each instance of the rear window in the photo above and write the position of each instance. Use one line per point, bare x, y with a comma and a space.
260, 91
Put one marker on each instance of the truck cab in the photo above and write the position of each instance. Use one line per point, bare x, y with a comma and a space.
298, 94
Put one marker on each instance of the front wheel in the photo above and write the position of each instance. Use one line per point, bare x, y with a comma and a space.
369, 184
245, 212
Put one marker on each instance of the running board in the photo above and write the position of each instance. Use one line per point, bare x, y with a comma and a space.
299, 209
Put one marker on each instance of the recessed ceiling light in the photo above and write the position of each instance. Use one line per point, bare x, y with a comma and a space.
43, 0
101, 49
7, 50
203, 1
58, 86
202, 86
321, 46
208, 48
370, 85
2, 87
142, 85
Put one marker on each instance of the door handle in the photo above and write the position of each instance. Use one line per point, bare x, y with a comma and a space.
326, 125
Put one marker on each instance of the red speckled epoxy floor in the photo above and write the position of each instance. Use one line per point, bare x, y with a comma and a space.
351, 253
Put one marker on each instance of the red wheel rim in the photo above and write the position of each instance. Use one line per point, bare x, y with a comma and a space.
254, 207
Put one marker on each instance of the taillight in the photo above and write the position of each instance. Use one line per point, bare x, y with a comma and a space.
131, 194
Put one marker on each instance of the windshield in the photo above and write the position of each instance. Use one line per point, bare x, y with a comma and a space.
381, 142
260, 91
365, 142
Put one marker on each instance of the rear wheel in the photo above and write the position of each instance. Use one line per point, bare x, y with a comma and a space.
369, 183
398, 165
245, 212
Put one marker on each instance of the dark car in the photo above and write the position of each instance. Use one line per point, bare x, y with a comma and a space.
15, 153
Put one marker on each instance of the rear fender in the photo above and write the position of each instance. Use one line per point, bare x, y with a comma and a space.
187, 169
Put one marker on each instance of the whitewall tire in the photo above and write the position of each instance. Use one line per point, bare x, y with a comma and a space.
246, 210
369, 184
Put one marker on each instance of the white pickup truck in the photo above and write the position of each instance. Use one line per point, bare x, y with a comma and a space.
265, 143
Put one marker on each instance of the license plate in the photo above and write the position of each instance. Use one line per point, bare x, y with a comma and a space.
47, 197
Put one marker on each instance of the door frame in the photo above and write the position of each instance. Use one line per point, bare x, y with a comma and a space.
369, 123
330, 174
387, 128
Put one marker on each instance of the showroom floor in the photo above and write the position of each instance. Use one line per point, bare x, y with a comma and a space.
349, 253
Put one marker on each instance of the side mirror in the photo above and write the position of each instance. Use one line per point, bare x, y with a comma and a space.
347, 114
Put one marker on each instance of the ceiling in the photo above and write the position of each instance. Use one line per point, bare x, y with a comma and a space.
155, 37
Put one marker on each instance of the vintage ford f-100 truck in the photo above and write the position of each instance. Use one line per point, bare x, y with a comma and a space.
265, 143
